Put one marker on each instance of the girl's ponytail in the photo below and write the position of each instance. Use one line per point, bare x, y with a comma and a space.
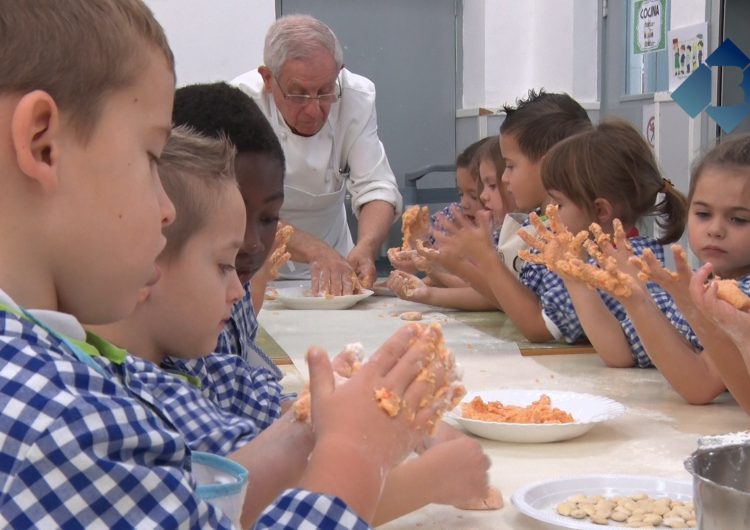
671, 213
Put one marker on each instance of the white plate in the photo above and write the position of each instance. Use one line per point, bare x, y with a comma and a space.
587, 410
540, 500
294, 298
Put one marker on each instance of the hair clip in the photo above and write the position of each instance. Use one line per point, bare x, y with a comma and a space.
666, 184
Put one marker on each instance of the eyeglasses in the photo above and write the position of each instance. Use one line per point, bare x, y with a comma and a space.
302, 100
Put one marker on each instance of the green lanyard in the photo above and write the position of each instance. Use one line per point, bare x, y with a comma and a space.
93, 346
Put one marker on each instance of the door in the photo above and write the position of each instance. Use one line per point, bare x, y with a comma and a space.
734, 23
408, 49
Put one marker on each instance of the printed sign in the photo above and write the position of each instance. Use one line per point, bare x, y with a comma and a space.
649, 25
688, 50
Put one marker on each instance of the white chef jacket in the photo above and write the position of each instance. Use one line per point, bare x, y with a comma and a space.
345, 155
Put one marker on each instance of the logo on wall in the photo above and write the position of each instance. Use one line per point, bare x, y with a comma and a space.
694, 94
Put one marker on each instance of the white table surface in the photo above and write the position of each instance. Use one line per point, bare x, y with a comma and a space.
655, 435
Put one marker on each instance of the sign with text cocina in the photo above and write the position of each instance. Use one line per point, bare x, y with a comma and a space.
649, 26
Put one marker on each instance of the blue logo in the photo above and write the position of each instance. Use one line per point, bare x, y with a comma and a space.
694, 94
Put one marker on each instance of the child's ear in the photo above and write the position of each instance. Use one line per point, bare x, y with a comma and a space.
35, 129
603, 211
143, 294
267, 76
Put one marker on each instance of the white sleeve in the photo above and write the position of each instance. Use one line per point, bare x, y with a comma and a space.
371, 177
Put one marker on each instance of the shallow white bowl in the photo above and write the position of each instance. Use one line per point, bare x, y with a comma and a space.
586, 409
294, 298
540, 500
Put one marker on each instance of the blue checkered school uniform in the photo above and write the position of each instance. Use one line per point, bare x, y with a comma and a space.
238, 336
557, 307
667, 306
80, 448
232, 385
77, 450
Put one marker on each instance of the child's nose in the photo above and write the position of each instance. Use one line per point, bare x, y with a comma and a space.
236, 291
166, 208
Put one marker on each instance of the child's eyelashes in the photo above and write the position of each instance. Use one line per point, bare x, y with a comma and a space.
739, 220
269, 220
227, 268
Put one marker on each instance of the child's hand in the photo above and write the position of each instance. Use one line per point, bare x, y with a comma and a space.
407, 286
279, 255
385, 428
615, 273
459, 471
677, 284
402, 260
734, 322
460, 238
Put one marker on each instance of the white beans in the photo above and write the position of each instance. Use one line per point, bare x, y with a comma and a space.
634, 511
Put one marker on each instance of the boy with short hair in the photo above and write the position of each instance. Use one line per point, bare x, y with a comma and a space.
85, 110
218, 108
527, 133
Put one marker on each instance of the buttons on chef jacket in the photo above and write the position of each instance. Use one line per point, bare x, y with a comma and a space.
283, 135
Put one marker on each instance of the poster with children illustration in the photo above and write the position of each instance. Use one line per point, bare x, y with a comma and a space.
687, 50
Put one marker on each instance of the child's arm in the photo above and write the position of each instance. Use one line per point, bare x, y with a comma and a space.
357, 443
465, 240
725, 336
453, 472
699, 380
646, 324
409, 287
275, 459
603, 330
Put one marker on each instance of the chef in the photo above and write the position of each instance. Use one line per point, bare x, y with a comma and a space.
324, 117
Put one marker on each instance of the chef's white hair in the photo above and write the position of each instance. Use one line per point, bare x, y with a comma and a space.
298, 37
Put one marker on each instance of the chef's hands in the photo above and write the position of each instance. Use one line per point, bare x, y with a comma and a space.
331, 274
363, 263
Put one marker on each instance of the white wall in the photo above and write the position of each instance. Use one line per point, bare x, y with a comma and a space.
687, 12
214, 40
529, 44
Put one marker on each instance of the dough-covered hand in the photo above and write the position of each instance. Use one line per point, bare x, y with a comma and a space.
392, 400
279, 255
677, 283
331, 275
402, 260
415, 225
556, 246
734, 319
407, 286
364, 267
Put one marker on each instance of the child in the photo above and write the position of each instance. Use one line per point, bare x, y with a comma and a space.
697, 361
78, 164
469, 189
527, 133
496, 203
598, 176
215, 109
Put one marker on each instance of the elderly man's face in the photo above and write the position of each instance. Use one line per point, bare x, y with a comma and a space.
312, 77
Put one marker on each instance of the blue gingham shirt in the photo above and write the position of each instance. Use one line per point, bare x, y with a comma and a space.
78, 449
238, 336
232, 385
667, 306
557, 307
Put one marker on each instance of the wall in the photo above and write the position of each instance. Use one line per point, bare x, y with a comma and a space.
511, 46
214, 41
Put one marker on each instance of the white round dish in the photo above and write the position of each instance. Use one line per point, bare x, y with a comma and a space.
539, 500
294, 298
587, 410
